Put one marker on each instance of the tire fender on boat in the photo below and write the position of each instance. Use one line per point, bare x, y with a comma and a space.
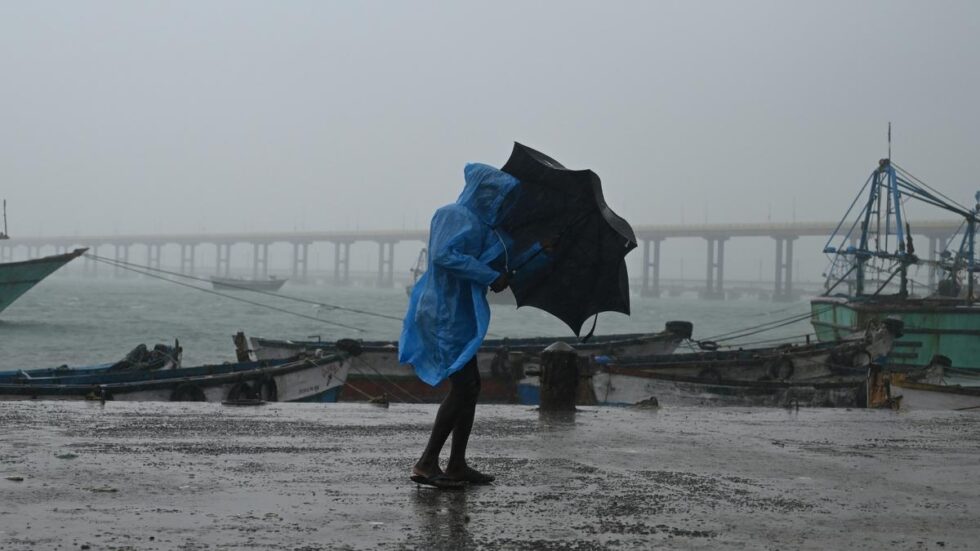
267, 390
781, 368
187, 392
243, 391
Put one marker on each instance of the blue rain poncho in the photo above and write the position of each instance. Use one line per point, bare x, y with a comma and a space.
448, 314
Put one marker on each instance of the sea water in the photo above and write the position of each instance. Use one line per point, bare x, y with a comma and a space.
74, 320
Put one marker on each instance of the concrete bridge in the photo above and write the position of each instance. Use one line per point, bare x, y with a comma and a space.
649, 238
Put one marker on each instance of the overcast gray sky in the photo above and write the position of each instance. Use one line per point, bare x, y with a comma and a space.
120, 117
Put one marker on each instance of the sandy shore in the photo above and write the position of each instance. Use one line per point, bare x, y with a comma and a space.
284, 476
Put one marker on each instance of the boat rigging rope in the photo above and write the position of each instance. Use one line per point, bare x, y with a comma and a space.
246, 288
142, 269
212, 292
762, 327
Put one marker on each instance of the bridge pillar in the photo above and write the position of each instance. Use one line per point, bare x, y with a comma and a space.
783, 290
715, 277
122, 256
260, 260
651, 268
153, 255
222, 266
90, 267
341, 262
6, 253
301, 254
187, 258
386, 262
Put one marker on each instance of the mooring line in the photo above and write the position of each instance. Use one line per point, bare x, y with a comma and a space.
122, 263
239, 299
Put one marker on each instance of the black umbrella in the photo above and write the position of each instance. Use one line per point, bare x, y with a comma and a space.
586, 273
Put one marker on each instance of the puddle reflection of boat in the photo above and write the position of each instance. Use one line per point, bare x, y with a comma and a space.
501, 361
307, 379
272, 284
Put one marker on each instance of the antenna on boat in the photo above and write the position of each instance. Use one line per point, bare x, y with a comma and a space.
889, 140
4, 235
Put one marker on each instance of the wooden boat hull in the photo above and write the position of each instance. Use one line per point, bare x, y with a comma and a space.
305, 380
624, 387
913, 396
501, 362
931, 327
16, 278
810, 374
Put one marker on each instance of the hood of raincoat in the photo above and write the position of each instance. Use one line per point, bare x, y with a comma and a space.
489, 193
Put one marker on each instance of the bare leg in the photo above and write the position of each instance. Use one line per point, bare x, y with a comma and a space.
458, 406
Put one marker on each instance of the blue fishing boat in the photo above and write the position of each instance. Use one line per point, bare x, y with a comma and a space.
140, 358
298, 379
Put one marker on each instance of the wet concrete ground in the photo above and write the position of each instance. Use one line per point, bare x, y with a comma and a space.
205, 476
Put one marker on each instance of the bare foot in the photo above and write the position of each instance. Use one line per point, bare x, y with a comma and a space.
470, 475
428, 470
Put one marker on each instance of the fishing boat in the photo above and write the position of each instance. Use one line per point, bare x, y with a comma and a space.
16, 278
869, 277
140, 358
815, 374
308, 379
939, 387
501, 361
272, 284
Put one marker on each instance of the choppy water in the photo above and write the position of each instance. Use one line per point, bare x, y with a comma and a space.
72, 320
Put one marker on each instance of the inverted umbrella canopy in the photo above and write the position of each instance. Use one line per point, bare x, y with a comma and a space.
585, 272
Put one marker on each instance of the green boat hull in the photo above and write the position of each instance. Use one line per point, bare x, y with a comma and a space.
16, 278
932, 327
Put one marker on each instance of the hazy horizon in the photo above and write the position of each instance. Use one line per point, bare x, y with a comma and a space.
126, 117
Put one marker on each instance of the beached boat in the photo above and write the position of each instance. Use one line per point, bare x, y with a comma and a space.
501, 361
141, 358
16, 278
307, 379
938, 387
272, 284
806, 374
869, 276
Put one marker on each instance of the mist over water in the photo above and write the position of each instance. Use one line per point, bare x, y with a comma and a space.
73, 320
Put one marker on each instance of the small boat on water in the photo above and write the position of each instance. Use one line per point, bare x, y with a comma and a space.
308, 379
272, 284
16, 278
502, 362
140, 358
808, 374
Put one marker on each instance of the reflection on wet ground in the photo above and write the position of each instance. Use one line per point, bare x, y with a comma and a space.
294, 476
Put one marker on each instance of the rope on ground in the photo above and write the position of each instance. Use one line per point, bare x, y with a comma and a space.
239, 299
391, 382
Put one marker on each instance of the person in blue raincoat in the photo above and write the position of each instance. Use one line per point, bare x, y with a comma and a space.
448, 314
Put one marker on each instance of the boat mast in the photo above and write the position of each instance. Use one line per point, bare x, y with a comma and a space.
4, 235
